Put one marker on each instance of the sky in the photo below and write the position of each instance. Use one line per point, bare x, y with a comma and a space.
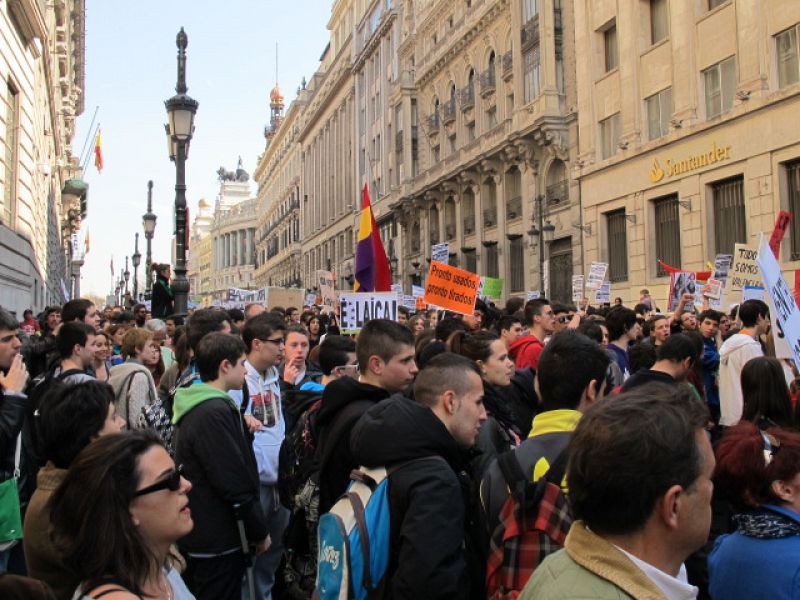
131, 69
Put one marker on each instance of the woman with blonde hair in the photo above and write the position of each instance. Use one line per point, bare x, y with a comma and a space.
133, 383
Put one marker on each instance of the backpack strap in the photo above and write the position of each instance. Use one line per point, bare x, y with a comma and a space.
512, 472
361, 523
69, 373
555, 474
245, 398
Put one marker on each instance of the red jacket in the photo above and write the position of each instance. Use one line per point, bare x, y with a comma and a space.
525, 352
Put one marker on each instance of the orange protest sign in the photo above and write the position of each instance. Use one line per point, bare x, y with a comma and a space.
452, 288
421, 303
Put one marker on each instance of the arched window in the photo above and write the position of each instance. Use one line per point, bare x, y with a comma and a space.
468, 211
433, 225
513, 194
557, 188
449, 219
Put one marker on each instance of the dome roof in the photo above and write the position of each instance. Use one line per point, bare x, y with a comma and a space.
203, 203
276, 96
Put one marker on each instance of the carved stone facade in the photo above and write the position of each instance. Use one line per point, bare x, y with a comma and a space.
42, 201
200, 273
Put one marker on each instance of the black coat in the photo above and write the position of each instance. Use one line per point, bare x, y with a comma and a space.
162, 299
343, 403
216, 452
434, 551
12, 416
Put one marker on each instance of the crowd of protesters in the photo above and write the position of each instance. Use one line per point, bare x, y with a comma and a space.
542, 450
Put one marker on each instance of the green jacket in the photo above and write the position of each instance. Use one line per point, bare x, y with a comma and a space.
189, 397
589, 568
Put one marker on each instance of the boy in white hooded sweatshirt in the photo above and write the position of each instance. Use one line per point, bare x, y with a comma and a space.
735, 352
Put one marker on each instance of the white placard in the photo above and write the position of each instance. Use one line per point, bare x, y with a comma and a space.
753, 292
311, 299
440, 252
577, 288
787, 315
410, 302
534, 295
745, 269
597, 275
417, 291
358, 308
327, 288
603, 295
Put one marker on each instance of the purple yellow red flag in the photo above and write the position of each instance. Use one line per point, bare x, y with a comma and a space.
98, 152
372, 267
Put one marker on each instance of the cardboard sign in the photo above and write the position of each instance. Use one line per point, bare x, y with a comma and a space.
327, 288
577, 288
358, 308
786, 312
712, 289
597, 275
745, 269
603, 295
492, 287
441, 253
285, 297
452, 288
752, 292
680, 283
781, 225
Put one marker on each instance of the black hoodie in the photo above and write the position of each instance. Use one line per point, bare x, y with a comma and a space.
432, 553
343, 402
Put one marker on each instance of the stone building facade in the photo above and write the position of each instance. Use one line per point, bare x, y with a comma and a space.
42, 199
686, 115
199, 270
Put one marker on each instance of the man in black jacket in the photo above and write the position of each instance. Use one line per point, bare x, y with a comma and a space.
386, 365
215, 449
433, 552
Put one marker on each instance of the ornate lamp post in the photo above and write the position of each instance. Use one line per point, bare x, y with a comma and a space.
180, 110
136, 259
149, 224
544, 228
127, 275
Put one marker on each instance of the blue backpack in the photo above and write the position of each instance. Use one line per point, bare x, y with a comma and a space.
354, 537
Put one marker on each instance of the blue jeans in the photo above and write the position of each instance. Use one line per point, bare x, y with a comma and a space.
266, 564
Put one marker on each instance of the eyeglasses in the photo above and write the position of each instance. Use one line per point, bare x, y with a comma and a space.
277, 342
172, 482
347, 367
565, 319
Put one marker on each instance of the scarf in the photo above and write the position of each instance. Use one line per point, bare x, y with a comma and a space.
766, 525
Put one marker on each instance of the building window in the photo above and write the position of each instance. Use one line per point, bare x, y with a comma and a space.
516, 265
530, 8
471, 262
712, 4
617, 246
509, 105
11, 155
530, 75
668, 232
492, 263
729, 214
610, 46
788, 62
609, 136
468, 212
793, 184
489, 203
720, 84
659, 20
659, 111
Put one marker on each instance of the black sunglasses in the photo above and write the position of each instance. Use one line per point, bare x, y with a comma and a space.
172, 482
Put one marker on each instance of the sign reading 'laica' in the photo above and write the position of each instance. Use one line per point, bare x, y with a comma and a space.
695, 161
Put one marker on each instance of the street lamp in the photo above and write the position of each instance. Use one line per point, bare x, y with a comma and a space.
392, 260
127, 275
136, 259
180, 110
544, 228
149, 224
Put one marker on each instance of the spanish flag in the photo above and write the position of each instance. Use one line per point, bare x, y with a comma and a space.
372, 267
98, 152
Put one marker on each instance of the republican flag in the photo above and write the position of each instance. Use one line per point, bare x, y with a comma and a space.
86, 243
98, 152
372, 267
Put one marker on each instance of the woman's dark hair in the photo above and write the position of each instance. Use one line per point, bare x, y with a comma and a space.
591, 330
323, 326
742, 475
180, 342
475, 346
765, 393
92, 525
70, 416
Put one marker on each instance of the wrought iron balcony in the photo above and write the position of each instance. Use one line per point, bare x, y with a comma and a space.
530, 32
432, 122
514, 208
469, 224
490, 217
468, 97
508, 63
488, 83
558, 193
449, 111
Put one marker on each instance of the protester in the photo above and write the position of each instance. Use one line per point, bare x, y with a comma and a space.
640, 488
81, 310
70, 417
765, 395
263, 337
734, 354
316, 331
659, 330
160, 336
39, 351
102, 353
120, 507
133, 383
292, 316
708, 326
416, 324
509, 328
29, 325
402, 315
675, 358
757, 471
236, 319
623, 330
140, 314
563, 315
163, 297
213, 445
540, 321
13, 378
75, 346
571, 376
251, 310
386, 365
116, 332
433, 552
296, 370
337, 358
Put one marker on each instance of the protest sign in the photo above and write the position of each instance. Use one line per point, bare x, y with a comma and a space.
744, 270
781, 225
285, 297
420, 303
452, 288
782, 349
597, 275
327, 288
311, 300
417, 291
358, 308
680, 283
603, 294
441, 253
752, 292
577, 288
712, 289
786, 311
397, 288
492, 287
534, 295
409, 302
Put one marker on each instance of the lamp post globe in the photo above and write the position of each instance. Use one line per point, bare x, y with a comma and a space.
180, 110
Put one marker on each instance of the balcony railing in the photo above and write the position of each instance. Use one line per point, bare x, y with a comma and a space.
488, 83
530, 32
468, 97
508, 63
469, 224
558, 193
514, 208
449, 111
432, 122
490, 217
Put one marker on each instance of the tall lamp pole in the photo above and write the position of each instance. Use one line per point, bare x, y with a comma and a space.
127, 275
181, 110
136, 259
544, 227
149, 225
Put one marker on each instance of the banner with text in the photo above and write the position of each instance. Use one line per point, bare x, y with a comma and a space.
744, 270
452, 288
358, 308
787, 313
327, 288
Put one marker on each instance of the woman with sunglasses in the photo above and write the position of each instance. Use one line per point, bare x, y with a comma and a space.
117, 513
758, 473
